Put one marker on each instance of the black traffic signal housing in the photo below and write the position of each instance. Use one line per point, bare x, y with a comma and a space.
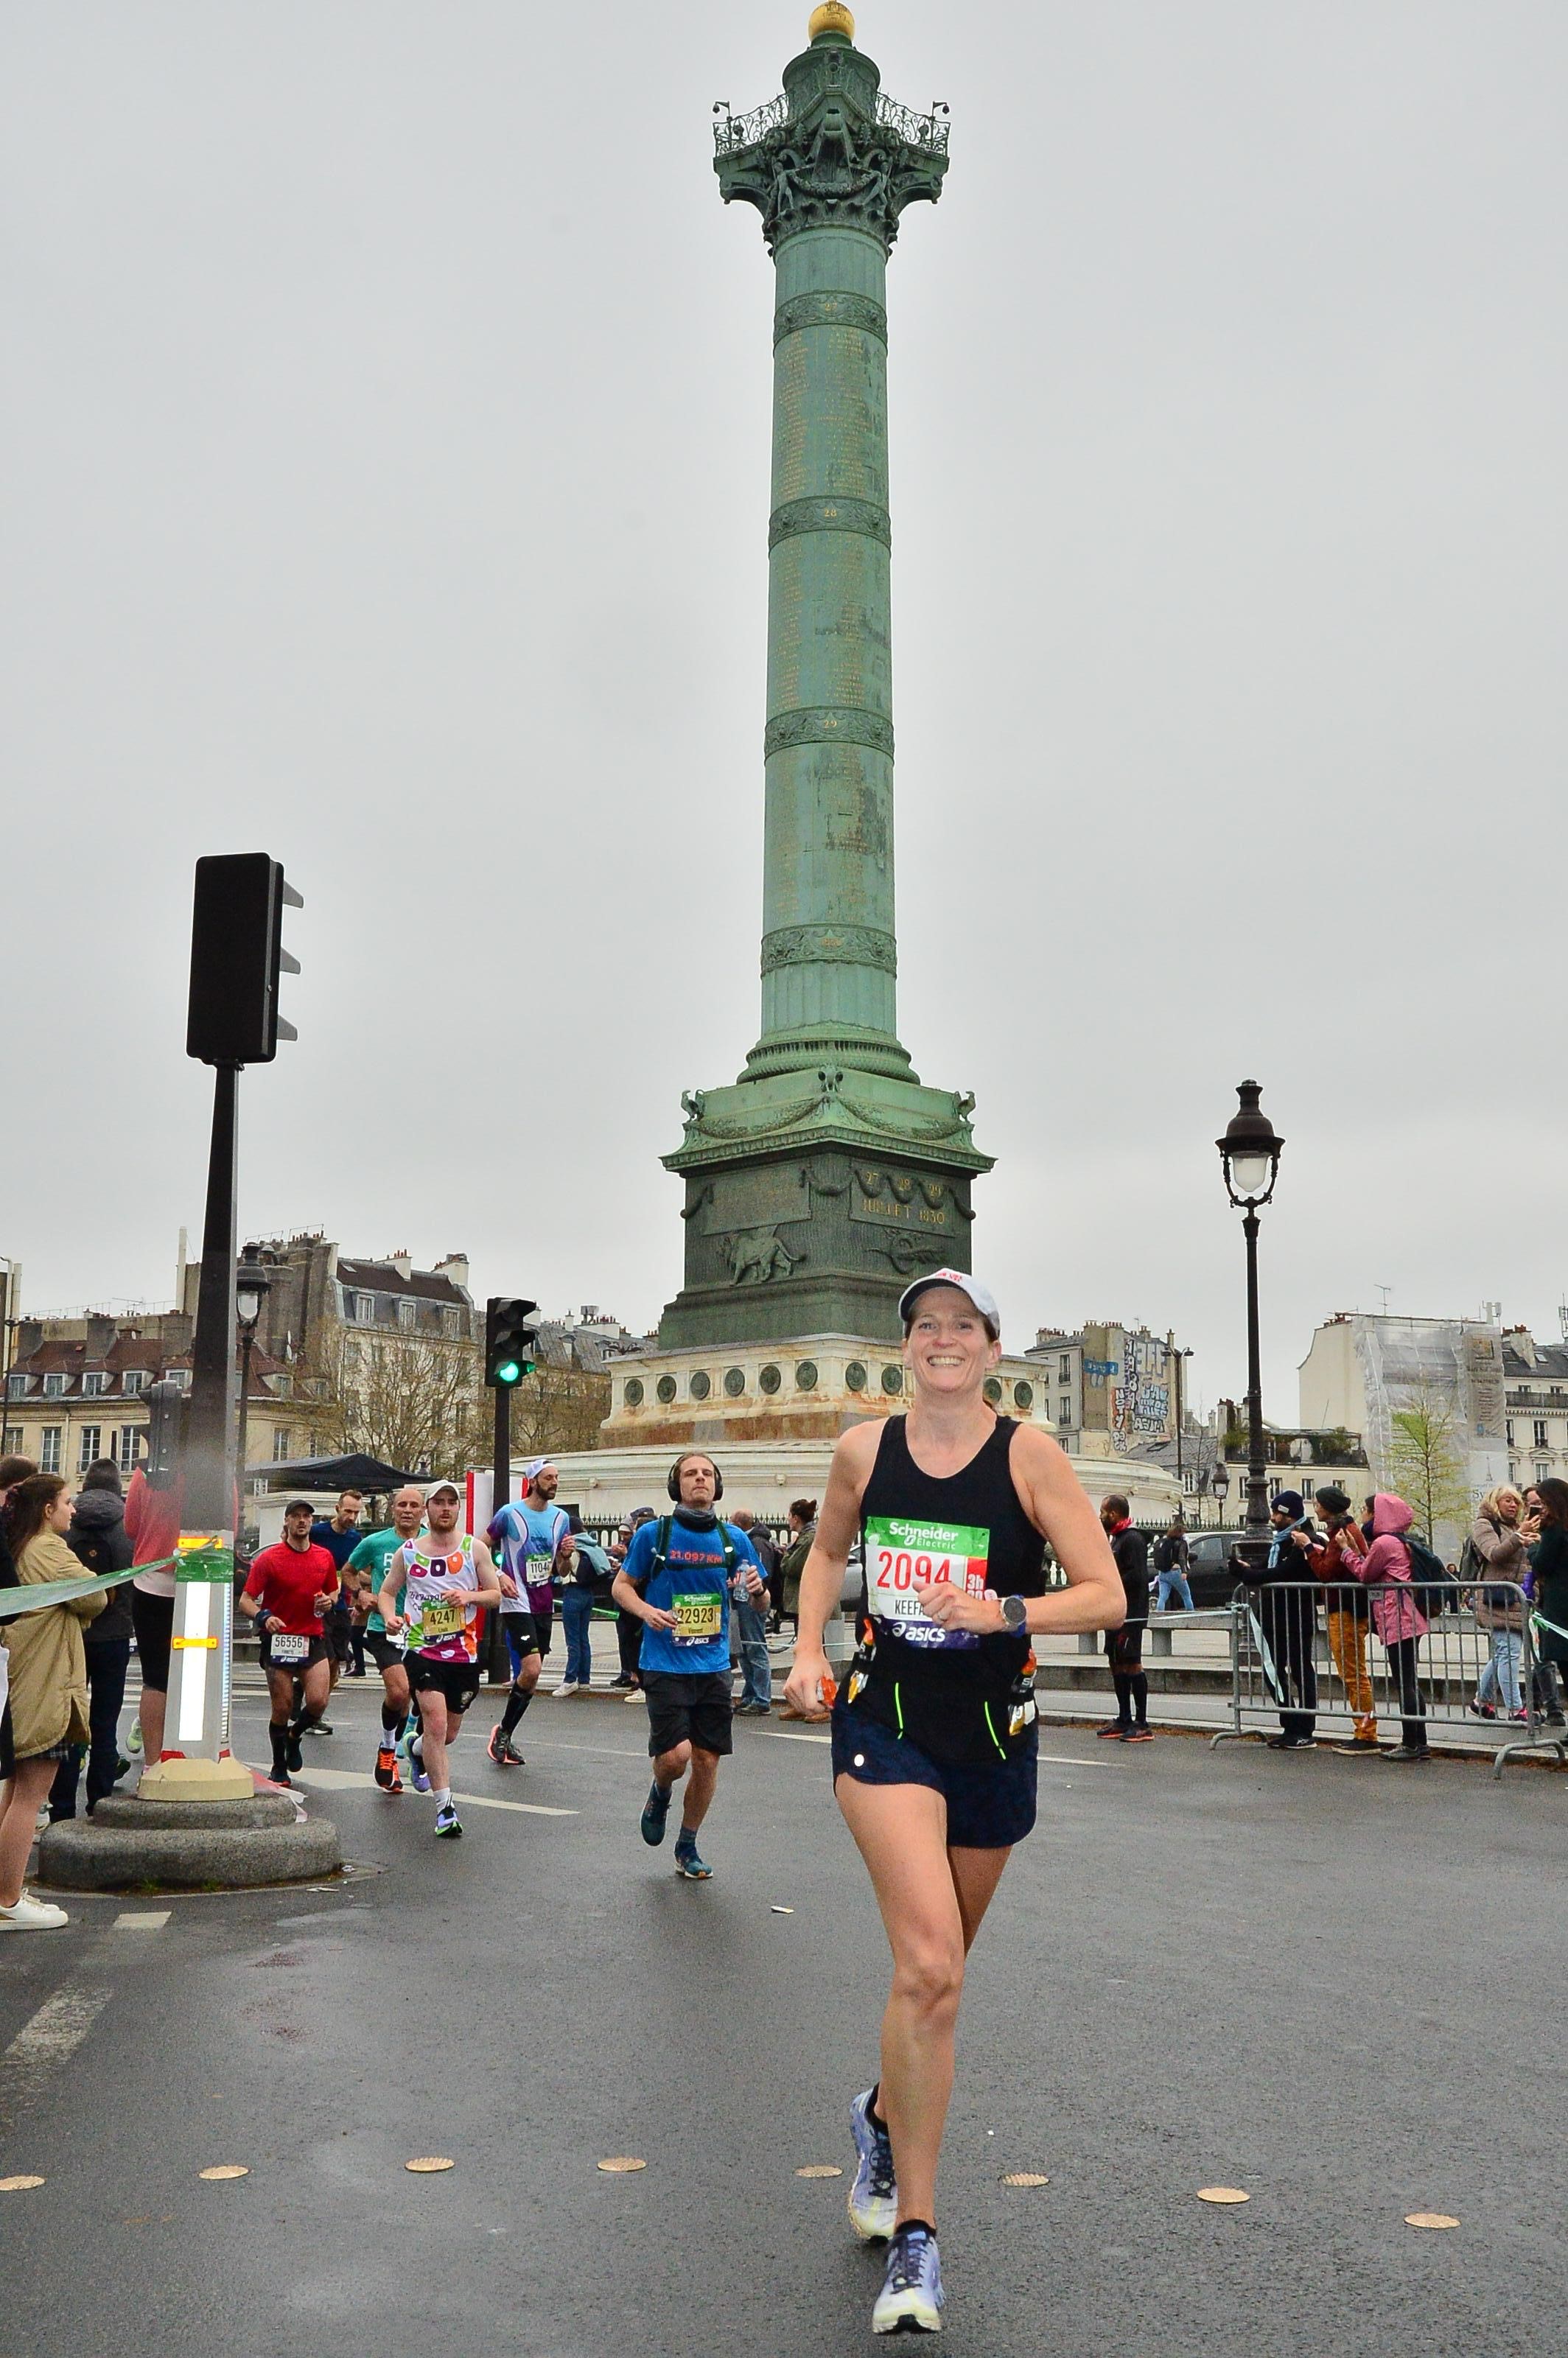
169, 1408
509, 1342
236, 957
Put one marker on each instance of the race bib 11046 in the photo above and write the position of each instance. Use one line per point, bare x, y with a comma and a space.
902, 1554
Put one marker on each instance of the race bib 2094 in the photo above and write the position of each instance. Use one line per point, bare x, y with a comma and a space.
902, 1554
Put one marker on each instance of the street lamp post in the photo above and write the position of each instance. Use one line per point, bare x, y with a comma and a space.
1219, 1483
1250, 1156
252, 1286
1178, 1355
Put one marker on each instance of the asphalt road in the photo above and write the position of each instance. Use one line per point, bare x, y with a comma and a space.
1330, 1982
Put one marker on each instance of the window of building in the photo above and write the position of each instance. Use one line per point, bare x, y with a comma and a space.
54, 1386
94, 1384
12, 1444
89, 1437
452, 1319
16, 1386
125, 1448
1064, 1368
133, 1381
351, 1304
1063, 1412
1542, 1470
281, 1439
1509, 1429
407, 1314
48, 1449
1538, 1436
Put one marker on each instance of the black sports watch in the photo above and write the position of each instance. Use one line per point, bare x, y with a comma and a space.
1015, 1613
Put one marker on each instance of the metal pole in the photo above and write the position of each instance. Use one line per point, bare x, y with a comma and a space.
497, 1662
247, 1336
195, 1725
1178, 1355
209, 1460
1256, 1517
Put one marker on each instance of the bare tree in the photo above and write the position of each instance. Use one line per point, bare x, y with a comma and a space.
558, 1408
416, 1403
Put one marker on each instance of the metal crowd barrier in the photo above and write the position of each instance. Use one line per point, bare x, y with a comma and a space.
1302, 1649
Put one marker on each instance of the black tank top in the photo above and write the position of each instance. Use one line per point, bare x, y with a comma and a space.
959, 1697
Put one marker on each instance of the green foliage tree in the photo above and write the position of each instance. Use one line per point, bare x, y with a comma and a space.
1426, 1463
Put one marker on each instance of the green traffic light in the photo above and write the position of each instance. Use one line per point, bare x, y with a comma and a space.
508, 1372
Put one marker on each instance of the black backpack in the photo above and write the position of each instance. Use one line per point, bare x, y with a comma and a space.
1435, 1589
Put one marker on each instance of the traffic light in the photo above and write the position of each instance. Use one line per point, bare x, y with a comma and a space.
236, 956
167, 1414
509, 1343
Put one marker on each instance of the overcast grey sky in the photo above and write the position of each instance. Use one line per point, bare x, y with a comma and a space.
384, 408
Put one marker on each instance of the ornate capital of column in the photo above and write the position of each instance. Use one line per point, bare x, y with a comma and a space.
833, 152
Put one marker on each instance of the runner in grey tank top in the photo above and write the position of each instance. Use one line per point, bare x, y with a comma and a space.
934, 1735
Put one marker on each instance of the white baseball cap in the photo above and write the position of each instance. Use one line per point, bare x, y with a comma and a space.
981, 1296
437, 1488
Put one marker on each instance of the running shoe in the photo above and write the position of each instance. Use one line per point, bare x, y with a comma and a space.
873, 2197
416, 1762
317, 1728
567, 1687
1482, 1710
688, 1864
447, 1823
502, 1749
1141, 1734
386, 1775
1113, 1730
656, 1816
911, 2298
293, 1757
134, 1741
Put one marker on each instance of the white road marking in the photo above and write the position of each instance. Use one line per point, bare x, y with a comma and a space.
151, 1919
55, 2032
788, 1735
334, 1780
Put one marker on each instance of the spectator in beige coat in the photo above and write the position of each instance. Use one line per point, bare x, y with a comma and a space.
47, 1680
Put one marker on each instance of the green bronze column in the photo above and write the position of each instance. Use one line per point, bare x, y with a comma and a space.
822, 1178
830, 167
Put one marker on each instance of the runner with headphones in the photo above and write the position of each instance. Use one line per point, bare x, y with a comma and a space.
935, 1736
678, 1577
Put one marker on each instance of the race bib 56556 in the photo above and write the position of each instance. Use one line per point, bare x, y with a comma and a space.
902, 1554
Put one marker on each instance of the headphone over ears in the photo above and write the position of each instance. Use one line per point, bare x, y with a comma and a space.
673, 1485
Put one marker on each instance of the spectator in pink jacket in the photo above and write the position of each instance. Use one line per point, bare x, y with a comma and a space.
1397, 1617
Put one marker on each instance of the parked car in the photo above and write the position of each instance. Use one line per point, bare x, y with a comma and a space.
1209, 1575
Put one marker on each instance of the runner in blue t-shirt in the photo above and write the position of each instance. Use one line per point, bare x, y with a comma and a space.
679, 1574
529, 1539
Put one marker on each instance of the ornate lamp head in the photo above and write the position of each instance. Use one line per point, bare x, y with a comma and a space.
831, 18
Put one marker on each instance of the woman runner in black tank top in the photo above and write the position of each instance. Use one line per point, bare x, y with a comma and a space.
934, 1735
963, 1697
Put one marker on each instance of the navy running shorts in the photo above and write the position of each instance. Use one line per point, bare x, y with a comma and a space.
688, 1708
989, 1808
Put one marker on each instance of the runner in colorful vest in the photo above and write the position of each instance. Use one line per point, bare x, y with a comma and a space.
446, 1575
531, 1537
933, 1734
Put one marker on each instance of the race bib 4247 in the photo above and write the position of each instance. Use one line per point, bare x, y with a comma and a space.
902, 1554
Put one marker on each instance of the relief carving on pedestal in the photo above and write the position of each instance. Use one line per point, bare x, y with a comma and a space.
756, 1255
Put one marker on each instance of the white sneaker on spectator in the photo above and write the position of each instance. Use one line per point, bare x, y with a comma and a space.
567, 1687
30, 1915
